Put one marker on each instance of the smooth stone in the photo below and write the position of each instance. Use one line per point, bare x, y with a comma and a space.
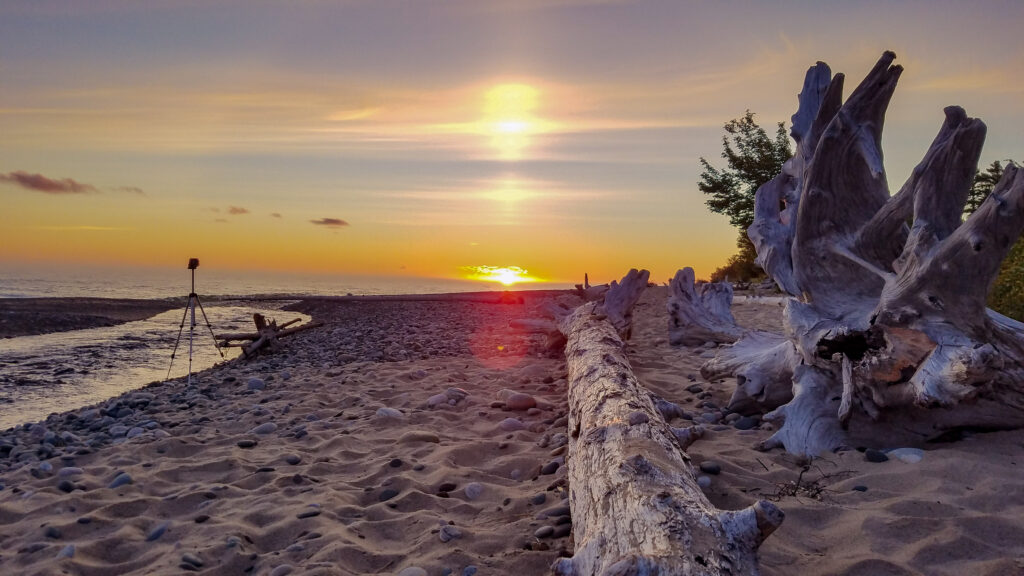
539, 499
549, 468
52, 532
282, 570
256, 384
413, 571
84, 520
695, 388
69, 471
66, 486
876, 456
544, 531
233, 541
638, 418
67, 551
46, 467
511, 425
387, 494
473, 490
711, 467
437, 400
469, 570
292, 459
120, 480
418, 436
157, 531
311, 513
704, 481
395, 463
745, 423
562, 531
447, 487
860, 488
136, 431
449, 533
387, 412
520, 401
908, 455
247, 443
201, 518
192, 559
265, 428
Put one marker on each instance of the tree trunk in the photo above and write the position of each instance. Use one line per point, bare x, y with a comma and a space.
890, 338
700, 314
636, 505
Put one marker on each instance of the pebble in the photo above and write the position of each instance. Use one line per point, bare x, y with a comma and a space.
695, 388
539, 499
520, 401
190, 558
872, 455
201, 518
908, 455
511, 425
247, 443
282, 570
638, 418
562, 531
84, 520
469, 570
704, 481
745, 423
437, 400
556, 511
136, 431
387, 494
292, 459
544, 531
69, 471
46, 467
52, 532
387, 412
233, 541
120, 480
265, 428
550, 467
67, 551
413, 571
449, 533
66, 486
157, 531
711, 467
860, 488
256, 384
310, 513
473, 490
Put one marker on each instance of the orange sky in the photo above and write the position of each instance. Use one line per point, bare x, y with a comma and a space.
426, 138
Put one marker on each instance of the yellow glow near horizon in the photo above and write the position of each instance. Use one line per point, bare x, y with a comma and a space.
505, 275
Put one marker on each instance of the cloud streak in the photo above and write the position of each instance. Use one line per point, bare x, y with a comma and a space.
236, 210
40, 183
330, 222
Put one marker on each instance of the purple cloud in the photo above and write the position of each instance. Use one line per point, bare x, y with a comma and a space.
330, 222
40, 183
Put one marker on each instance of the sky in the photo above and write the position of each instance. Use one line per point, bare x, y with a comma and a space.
426, 138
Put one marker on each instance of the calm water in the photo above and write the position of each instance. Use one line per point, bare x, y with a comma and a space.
68, 370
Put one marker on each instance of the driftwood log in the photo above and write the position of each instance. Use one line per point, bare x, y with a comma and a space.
893, 341
265, 336
700, 313
636, 505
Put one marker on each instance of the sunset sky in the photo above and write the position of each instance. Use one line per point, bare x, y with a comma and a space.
423, 138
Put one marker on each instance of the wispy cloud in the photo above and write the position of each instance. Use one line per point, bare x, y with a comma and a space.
236, 210
84, 228
275, 215
330, 222
131, 190
40, 183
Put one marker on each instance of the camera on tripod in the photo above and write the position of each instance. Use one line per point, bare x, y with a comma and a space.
193, 263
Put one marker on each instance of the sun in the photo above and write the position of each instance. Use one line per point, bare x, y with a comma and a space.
505, 275
509, 118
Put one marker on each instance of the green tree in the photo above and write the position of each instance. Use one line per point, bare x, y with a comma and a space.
752, 158
983, 184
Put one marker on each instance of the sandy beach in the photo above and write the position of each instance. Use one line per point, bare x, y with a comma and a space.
427, 437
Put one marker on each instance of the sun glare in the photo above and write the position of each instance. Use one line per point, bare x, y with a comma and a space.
505, 275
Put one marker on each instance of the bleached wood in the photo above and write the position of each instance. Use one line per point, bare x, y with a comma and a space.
636, 505
763, 364
700, 314
621, 297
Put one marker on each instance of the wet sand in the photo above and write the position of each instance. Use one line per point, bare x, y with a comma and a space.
32, 316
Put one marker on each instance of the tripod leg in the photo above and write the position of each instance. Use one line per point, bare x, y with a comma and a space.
178, 340
208, 326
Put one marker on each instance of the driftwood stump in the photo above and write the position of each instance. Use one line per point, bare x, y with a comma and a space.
265, 337
886, 333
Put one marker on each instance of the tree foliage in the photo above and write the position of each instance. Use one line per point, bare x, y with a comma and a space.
1007, 295
752, 158
983, 184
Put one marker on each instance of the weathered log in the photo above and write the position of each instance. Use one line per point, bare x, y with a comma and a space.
636, 505
889, 331
700, 314
621, 297
266, 335
763, 364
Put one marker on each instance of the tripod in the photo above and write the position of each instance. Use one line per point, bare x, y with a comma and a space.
193, 300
